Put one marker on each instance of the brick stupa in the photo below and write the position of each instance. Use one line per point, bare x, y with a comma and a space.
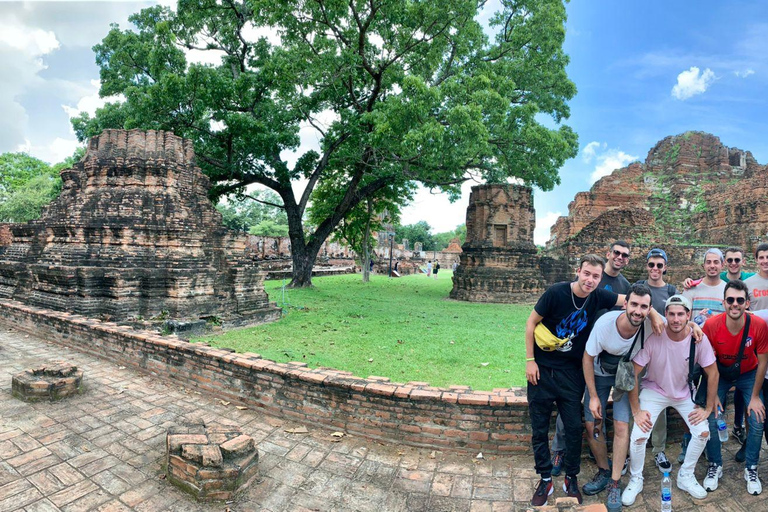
499, 261
133, 234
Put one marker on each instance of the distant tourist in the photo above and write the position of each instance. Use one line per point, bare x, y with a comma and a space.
429, 268
455, 265
437, 268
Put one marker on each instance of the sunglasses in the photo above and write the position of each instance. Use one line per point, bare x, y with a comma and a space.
620, 254
656, 265
738, 300
733, 260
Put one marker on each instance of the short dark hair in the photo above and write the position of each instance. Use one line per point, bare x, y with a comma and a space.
761, 247
592, 259
738, 284
621, 243
641, 290
734, 249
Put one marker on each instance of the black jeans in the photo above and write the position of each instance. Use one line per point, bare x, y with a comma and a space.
564, 387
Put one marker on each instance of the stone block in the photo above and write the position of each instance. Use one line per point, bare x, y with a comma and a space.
212, 464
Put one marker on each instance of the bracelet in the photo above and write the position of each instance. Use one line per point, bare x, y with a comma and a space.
527, 359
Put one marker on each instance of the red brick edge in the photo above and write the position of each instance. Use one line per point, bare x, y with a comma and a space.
414, 413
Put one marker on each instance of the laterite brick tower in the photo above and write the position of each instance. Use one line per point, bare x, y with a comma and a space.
134, 234
499, 262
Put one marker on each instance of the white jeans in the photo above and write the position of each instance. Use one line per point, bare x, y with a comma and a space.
655, 403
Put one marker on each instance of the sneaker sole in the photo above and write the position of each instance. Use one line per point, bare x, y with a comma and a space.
691, 494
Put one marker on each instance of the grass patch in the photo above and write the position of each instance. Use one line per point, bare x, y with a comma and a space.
405, 329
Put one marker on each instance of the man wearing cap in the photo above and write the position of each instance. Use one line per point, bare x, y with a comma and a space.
555, 335
727, 332
665, 358
706, 297
656, 263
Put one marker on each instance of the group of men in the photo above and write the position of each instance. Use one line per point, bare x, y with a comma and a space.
581, 332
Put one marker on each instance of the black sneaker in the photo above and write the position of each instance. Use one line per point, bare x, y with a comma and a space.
543, 490
740, 435
557, 462
599, 482
662, 462
571, 488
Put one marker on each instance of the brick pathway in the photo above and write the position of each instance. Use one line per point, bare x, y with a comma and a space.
103, 451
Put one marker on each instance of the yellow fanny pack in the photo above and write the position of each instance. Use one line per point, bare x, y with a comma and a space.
547, 341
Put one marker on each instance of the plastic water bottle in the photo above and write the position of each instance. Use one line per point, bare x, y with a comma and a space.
666, 493
722, 428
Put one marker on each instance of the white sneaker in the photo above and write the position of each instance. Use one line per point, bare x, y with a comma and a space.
753, 481
689, 484
714, 473
633, 488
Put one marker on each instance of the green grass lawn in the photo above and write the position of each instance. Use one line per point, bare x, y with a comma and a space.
405, 329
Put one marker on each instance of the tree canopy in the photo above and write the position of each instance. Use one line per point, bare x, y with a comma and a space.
27, 184
396, 92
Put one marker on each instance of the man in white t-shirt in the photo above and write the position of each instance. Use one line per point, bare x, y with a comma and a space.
612, 337
758, 283
707, 297
666, 385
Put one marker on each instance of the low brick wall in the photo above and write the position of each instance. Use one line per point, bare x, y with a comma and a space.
413, 413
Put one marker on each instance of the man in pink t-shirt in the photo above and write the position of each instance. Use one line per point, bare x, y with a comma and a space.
666, 385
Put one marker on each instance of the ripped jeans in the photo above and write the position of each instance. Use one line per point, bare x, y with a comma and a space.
655, 403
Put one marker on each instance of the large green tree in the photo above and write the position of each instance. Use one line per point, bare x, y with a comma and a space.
396, 91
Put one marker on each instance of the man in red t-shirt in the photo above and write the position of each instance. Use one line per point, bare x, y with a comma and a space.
725, 332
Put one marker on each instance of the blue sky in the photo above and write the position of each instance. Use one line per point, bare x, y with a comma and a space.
644, 70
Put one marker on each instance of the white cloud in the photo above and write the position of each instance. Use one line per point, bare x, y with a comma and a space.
90, 102
691, 83
608, 161
32, 41
544, 223
745, 73
52, 153
589, 151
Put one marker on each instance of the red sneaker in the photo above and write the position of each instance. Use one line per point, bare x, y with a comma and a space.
571, 488
543, 490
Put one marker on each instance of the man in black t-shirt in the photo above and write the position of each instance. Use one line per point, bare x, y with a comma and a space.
568, 310
617, 258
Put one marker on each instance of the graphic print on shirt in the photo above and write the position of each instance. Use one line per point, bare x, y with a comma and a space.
570, 327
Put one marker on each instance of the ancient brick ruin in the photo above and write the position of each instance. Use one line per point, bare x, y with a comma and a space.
210, 462
50, 381
691, 191
133, 234
500, 262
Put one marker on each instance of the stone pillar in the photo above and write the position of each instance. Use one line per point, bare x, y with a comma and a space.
499, 261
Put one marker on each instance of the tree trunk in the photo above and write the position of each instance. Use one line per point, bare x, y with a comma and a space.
366, 245
303, 258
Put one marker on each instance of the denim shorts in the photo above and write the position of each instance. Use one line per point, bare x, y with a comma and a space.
603, 385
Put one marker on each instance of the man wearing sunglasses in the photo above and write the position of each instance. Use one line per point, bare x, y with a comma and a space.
617, 258
656, 265
758, 283
726, 333
665, 358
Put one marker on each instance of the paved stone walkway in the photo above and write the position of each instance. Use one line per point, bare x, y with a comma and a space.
103, 450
